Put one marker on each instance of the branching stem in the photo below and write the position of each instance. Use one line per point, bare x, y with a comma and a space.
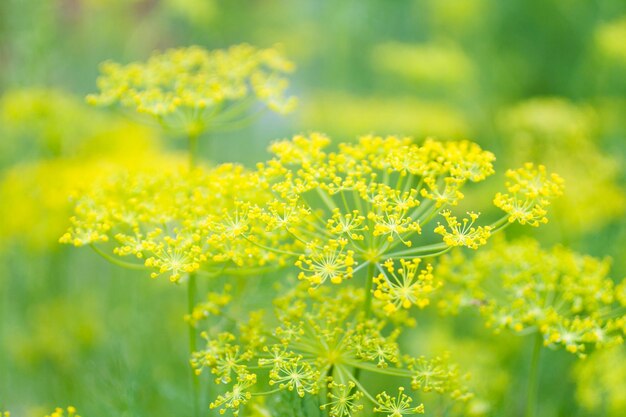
533, 377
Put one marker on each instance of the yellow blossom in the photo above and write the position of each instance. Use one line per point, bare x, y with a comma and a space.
192, 90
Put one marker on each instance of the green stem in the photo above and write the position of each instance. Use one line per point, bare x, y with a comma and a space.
533, 377
118, 262
195, 380
367, 305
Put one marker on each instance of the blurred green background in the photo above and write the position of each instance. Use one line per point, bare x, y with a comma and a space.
530, 80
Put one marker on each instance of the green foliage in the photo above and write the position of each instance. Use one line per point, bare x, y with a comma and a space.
361, 273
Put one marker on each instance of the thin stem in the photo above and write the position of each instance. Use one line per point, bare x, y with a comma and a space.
428, 255
118, 262
401, 373
283, 252
238, 272
266, 393
533, 377
195, 380
328, 391
355, 379
416, 250
326, 199
367, 305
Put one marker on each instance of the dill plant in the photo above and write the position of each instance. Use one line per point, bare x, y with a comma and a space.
333, 214
366, 210
375, 212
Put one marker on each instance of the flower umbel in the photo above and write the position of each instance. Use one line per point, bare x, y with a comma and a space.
319, 339
530, 191
397, 406
565, 296
192, 90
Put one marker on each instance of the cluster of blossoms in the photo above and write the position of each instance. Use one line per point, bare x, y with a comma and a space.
370, 203
542, 130
188, 89
321, 344
335, 212
176, 222
530, 190
566, 297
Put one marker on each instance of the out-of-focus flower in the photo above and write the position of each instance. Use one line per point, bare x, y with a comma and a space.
609, 38
43, 340
192, 90
484, 358
38, 124
176, 222
601, 381
441, 64
60, 412
564, 296
54, 147
343, 114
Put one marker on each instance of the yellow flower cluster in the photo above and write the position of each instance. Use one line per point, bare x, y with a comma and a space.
213, 305
564, 296
175, 222
530, 190
368, 203
463, 233
192, 89
405, 286
397, 406
317, 342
